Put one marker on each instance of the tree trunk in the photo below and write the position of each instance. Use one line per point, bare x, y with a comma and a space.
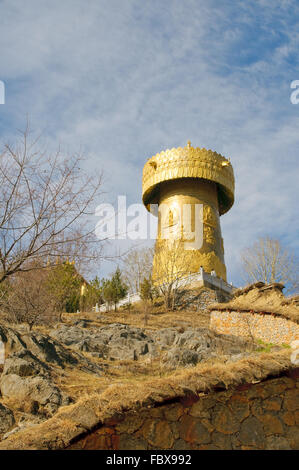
173, 301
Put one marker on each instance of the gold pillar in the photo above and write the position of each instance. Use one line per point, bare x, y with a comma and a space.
196, 177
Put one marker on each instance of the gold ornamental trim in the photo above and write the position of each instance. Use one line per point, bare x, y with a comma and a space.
189, 162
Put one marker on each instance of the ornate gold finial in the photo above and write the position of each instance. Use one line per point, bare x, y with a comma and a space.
189, 144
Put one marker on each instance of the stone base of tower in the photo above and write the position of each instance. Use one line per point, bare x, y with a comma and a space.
210, 280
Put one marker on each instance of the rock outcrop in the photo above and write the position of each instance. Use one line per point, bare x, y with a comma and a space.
27, 381
45, 348
113, 342
198, 344
123, 342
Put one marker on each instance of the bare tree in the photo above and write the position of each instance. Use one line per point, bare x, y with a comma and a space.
44, 203
28, 300
137, 265
147, 293
268, 261
171, 269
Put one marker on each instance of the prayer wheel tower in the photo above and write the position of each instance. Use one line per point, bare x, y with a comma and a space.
198, 178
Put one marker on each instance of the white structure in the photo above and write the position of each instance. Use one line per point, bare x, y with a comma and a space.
129, 299
192, 280
205, 279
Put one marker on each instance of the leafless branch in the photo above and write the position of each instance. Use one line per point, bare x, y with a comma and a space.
45, 201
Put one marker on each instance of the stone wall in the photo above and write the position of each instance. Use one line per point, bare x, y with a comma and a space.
199, 298
252, 416
269, 328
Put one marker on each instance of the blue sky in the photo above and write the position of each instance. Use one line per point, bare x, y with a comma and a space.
124, 79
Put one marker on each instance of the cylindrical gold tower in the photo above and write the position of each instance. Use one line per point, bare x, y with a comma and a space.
197, 177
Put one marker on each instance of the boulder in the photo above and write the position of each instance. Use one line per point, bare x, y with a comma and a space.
165, 337
35, 394
25, 364
115, 341
199, 344
25, 421
46, 349
27, 381
181, 357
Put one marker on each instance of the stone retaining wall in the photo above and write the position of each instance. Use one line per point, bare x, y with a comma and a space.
253, 416
269, 328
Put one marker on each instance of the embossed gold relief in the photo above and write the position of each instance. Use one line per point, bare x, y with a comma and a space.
192, 176
173, 217
209, 235
209, 216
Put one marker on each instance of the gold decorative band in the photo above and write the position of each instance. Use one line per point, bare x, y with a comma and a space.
189, 162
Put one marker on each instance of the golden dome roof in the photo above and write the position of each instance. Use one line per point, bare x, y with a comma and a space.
189, 162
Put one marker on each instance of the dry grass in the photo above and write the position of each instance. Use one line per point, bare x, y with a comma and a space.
157, 318
90, 411
77, 383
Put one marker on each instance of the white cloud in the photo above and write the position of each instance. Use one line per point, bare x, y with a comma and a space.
125, 79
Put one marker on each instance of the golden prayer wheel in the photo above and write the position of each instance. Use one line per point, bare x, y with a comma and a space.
200, 180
